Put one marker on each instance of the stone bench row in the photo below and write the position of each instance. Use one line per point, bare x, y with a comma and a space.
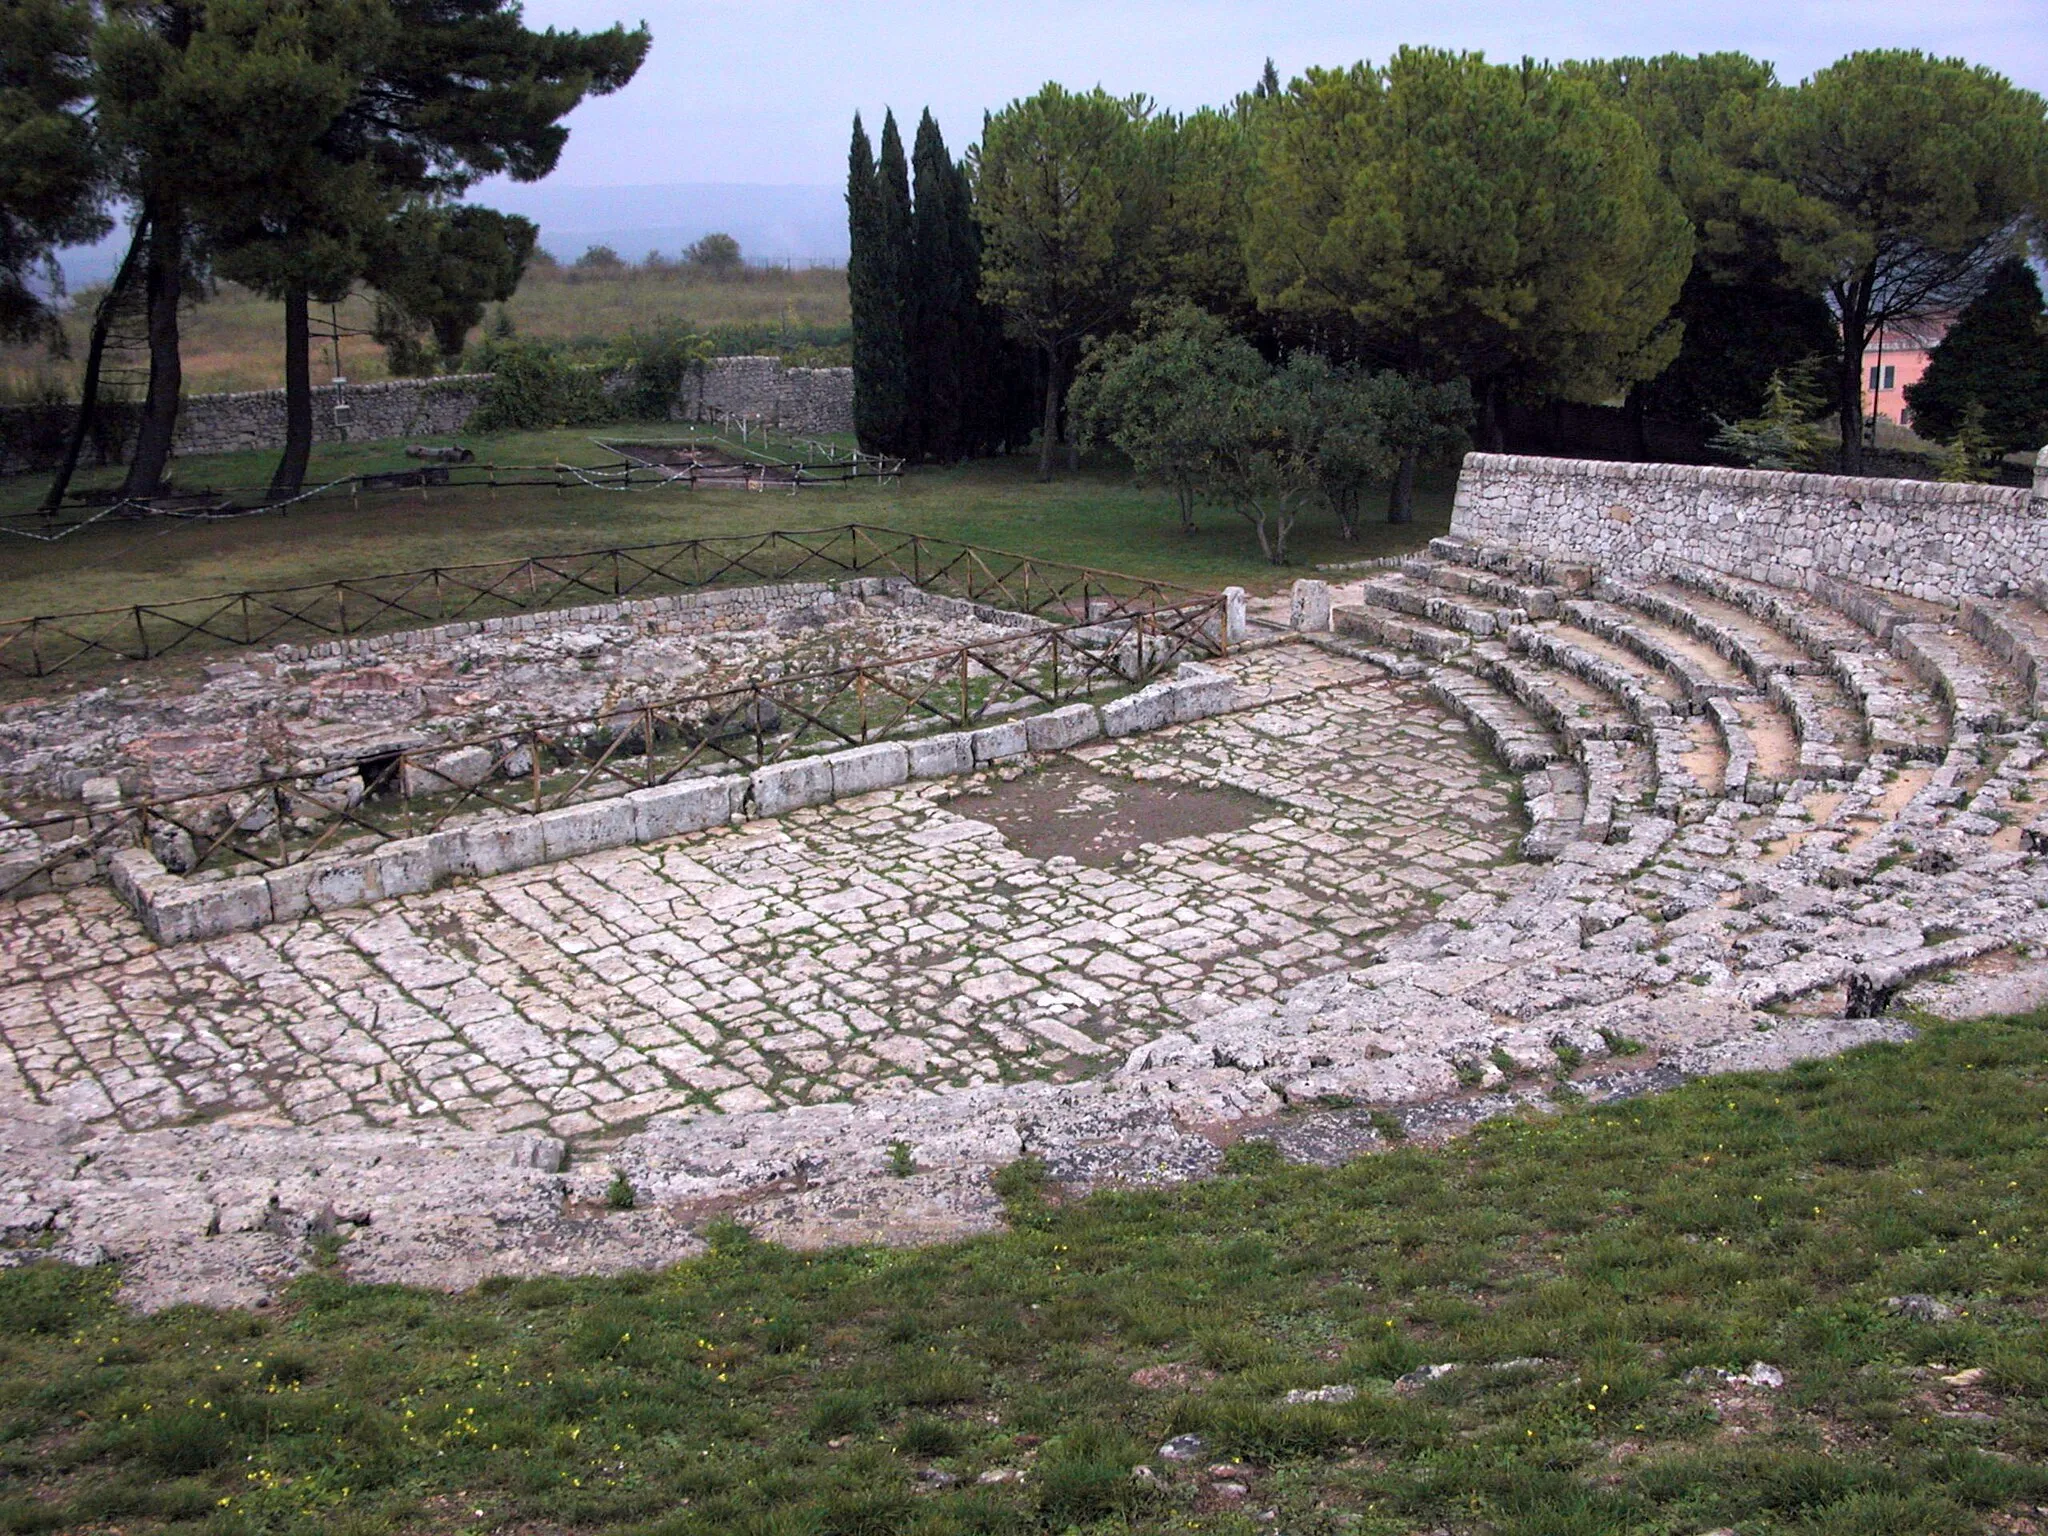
2016, 632
1839, 646
175, 909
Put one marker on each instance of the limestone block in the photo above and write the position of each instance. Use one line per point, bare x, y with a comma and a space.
570, 830
858, 770
790, 786
1059, 729
17, 878
402, 868
940, 757
690, 805
995, 743
177, 912
1200, 691
1234, 623
498, 847
131, 872
339, 883
291, 895
444, 772
449, 851
1309, 608
1146, 710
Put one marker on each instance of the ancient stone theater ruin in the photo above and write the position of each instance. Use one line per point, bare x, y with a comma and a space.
845, 869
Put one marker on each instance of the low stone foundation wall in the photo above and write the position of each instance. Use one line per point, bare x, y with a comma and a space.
1938, 542
177, 910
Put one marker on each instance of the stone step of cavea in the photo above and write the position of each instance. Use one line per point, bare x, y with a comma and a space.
1693, 666
1417, 600
1523, 565
1573, 710
1539, 602
1376, 626
1510, 731
1979, 691
2015, 630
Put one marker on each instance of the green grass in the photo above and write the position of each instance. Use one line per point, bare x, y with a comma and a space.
1628, 1250
235, 338
1096, 517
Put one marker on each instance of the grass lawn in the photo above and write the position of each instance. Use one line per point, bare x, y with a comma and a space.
1093, 518
235, 339
1593, 1271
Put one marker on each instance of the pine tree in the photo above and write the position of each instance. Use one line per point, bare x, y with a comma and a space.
1965, 461
1783, 435
1995, 356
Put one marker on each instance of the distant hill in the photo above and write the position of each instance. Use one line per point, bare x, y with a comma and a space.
800, 224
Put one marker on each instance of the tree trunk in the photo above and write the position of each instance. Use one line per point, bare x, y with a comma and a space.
95, 355
163, 282
290, 477
1256, 516
1490, 433
1401, 495
1851, 414
1853, 307
1639, 425
1049, 433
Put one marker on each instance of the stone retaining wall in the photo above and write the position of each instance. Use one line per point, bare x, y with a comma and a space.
1938, 542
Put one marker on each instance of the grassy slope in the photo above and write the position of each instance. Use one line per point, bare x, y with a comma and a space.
1094, 518
235, 339
1620, 1248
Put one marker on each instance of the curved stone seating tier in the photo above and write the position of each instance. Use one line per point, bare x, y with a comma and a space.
1756, 816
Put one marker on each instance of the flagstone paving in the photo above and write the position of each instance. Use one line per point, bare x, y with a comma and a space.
819, 956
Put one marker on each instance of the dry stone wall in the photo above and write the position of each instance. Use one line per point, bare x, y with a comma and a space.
797, 400
254, 419
802, 400
1938, 542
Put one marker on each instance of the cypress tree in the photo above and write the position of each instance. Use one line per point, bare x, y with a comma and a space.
874, 289
897, 413
941, 297
999, 378
1996, 354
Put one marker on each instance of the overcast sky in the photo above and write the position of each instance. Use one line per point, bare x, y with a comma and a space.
765, 90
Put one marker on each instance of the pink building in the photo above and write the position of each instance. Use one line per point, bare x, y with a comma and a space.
1896, 357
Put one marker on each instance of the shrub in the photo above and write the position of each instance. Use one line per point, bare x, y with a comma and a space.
654, 364
533, 386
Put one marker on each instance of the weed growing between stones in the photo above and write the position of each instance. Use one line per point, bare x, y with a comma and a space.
1550, 1326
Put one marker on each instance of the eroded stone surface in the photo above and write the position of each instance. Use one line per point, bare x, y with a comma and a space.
812, 957
836, 1026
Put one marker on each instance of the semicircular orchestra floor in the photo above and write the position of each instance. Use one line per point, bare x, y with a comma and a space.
1034, 924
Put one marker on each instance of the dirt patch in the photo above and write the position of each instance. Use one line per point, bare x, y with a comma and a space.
1072, 811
